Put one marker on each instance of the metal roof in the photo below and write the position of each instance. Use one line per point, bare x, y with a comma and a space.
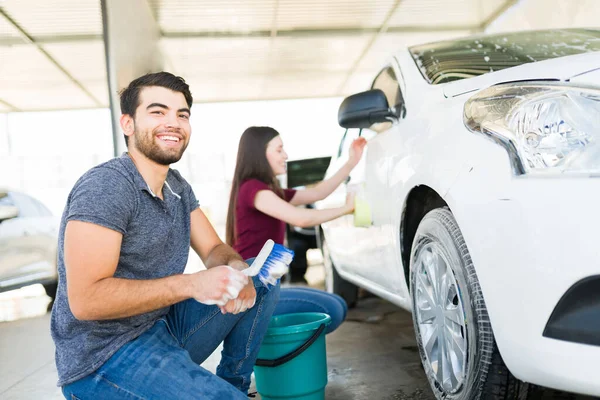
52, 51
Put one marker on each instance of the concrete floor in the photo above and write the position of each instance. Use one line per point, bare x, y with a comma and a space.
373, 355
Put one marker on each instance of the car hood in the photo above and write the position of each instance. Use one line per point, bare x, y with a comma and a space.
562, 68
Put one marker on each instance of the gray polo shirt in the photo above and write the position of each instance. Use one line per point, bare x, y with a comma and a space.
156, 242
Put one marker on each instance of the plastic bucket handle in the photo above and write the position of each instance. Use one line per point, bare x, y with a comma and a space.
261, 362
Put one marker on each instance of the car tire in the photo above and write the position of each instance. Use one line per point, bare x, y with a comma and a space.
454, 335
334, 283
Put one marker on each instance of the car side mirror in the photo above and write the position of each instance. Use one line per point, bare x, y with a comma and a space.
8, 212
362, 110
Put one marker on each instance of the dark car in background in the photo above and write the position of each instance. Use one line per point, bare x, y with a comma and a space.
301, 174
28, 243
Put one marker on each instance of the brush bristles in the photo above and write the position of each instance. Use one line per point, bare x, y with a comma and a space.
276, 265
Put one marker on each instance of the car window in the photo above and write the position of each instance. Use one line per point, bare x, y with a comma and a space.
6, 200
388, 83
453, 60
28, 206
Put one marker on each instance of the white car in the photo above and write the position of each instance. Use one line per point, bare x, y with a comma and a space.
28, 243
482, 178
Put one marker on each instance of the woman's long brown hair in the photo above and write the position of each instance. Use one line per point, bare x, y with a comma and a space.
251, 163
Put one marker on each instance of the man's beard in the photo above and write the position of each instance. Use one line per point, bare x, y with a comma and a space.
144, 142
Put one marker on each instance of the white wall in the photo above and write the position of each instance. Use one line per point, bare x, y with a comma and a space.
544, 14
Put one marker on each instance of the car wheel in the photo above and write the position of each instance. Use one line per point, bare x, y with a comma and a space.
454, 335
334, 283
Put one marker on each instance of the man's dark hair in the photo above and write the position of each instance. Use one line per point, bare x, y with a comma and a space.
130, 96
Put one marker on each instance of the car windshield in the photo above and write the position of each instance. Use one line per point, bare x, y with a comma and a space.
452, 60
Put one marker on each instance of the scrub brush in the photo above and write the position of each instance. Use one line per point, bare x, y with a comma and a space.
271, 263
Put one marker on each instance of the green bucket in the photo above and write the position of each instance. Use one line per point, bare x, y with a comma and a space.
292, 361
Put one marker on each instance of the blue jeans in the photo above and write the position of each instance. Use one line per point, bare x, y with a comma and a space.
303, 299
163, 362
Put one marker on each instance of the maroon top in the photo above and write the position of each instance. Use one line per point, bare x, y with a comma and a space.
253, 227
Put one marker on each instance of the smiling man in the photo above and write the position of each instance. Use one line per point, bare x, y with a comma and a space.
127, 323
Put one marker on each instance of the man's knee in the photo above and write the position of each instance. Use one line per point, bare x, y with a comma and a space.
266, 294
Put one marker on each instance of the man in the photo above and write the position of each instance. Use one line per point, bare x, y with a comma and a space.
127, 323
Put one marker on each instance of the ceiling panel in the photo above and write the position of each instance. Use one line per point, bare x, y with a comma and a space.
227, 50
85, 61
316, 54
235, 88
60, 95
24, 66
302, 85
332, 14
28, 80
8, 33
432, 13
213, 15
217, 56
52, 18
99, 89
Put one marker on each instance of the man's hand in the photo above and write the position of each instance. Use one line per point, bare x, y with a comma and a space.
243, 302
218, 285
247, 296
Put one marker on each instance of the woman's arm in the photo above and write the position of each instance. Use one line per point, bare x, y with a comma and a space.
269, 203
326, 187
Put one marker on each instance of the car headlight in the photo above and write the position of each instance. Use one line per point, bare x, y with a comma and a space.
545, 127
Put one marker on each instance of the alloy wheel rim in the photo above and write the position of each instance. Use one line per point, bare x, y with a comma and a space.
440, 318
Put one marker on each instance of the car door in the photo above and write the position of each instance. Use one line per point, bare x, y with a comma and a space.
384, 269
369, 255
355, 250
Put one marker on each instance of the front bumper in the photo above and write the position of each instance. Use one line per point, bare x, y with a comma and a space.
531, 240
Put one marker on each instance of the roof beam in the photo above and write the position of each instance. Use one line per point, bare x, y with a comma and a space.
9, 106
30, 40
318, 32
273, 32
495, 15
382, 29
11, 41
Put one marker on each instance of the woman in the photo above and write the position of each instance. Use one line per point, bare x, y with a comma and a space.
259, 210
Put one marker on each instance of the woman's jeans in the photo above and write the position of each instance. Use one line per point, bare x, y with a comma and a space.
164, 362
303, 299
